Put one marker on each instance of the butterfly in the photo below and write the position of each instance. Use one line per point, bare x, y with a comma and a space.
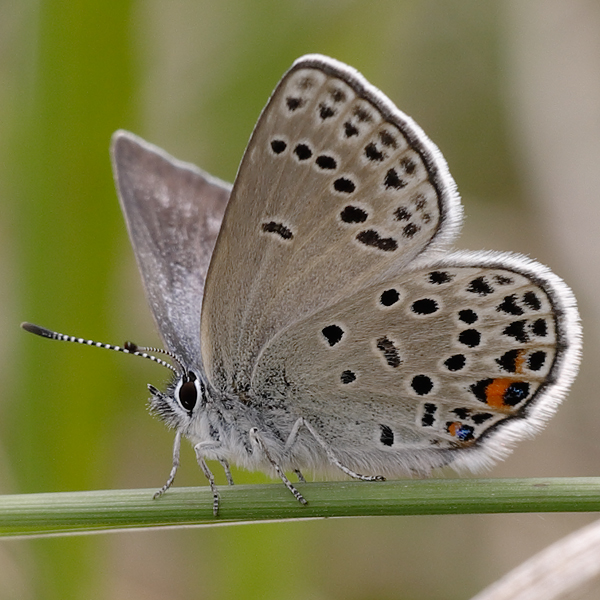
316, 315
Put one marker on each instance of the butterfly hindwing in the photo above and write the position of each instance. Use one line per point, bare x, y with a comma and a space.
463, 354
337, 190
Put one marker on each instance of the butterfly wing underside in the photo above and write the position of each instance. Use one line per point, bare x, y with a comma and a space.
449, 363
337, 190
173, 212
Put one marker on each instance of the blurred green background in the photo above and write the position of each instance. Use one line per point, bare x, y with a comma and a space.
510, 92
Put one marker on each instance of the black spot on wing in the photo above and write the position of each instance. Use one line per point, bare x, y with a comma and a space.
362, 114
410, 230
393, 180
353, 214
424, 306
333, 334
373, 153
517, 331
508, 361
371, 238
479, 389
509, 306
350, 130
470, 338
480, 418
337, 95
326, 111
326, 162
480, 286
387, 435
540, 328
503, 280
421, 384
532, 301
389, 297
347, 377
389, 351
440, 277
467, 316
428, 418
388, 139
456, 362
408, 165
344, 185
303, 152
402, 214
515, 393
294, 103
278, 146
536, 360
278, 228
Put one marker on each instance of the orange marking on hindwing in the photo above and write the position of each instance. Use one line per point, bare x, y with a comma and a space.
453, 428
520, 362
494, 392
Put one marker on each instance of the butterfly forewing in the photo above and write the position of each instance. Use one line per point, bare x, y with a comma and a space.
173, 212
337, 190
427, 363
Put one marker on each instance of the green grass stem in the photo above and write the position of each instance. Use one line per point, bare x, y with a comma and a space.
100, 511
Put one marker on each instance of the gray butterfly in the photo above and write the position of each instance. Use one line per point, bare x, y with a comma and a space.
316, 315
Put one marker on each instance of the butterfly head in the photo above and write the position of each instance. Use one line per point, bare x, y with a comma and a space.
178, 405
183, 397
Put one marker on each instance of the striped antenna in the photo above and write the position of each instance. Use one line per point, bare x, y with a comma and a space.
128, 347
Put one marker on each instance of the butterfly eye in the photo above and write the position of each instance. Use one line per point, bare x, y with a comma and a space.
187, 392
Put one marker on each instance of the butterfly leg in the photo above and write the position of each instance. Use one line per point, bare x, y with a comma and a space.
227, 470
299, 476
330, 455
198, 449
169, 483
258, 440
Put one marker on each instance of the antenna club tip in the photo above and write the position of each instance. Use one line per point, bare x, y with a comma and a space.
36, 329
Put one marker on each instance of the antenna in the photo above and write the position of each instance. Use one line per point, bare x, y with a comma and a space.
128, 347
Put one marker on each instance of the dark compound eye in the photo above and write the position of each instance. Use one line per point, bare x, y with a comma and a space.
187, 395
